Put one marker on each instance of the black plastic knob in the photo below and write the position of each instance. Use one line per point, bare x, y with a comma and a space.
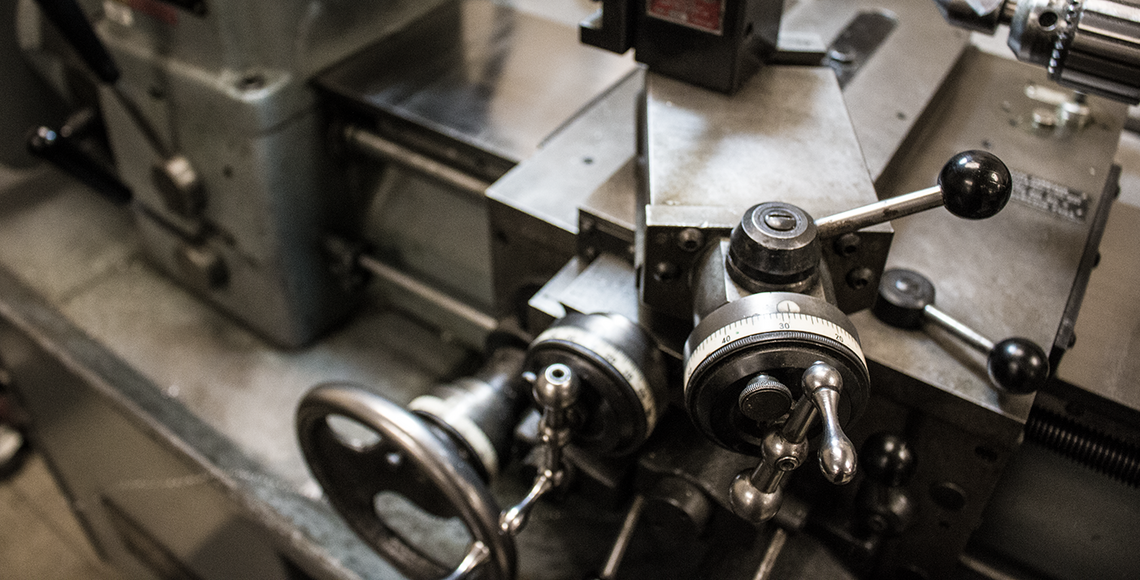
903, 294
1018, 365
765, 399
975, 184
888, 459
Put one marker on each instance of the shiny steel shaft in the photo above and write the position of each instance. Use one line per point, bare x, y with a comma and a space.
768, 564
879, 212
377, 147
967, 334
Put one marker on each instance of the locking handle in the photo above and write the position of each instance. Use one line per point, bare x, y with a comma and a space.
972, 185
906, 300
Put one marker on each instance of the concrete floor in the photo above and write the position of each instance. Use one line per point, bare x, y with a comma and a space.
39, 537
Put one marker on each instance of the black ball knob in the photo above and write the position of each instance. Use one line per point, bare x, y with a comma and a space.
903, 294
1018, 365
888, 459
975, 184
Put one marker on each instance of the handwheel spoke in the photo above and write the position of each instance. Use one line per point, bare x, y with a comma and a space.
409, 460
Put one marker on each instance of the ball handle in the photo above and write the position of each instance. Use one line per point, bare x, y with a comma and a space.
1018, 365
975, 184
906, 300
972, 185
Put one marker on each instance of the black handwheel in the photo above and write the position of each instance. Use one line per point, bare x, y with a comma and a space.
406, 457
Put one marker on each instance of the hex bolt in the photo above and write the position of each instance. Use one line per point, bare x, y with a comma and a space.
690, 239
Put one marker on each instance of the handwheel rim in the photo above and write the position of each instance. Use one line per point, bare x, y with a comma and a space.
456, 480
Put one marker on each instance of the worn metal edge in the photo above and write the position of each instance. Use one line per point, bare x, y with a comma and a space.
173, 426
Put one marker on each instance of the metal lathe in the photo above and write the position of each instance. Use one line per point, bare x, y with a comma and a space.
538, 289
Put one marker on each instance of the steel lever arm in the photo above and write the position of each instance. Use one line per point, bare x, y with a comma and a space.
906, 300
73, 25
972, 185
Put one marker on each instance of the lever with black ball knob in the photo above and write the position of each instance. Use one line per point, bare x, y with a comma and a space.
746, 355
906, 300
972, 185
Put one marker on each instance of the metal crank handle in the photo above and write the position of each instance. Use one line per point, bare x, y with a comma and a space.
972, 185
475, 557
756, 495
837, 457
514, 519
906, 300
556, 389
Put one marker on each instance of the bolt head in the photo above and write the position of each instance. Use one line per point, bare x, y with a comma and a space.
774, 243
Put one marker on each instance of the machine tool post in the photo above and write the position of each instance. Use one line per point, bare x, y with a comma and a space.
787, 323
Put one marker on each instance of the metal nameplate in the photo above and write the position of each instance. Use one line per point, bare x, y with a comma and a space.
1052, 197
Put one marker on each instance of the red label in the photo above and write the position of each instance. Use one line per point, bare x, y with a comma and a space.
707, 15
154, 9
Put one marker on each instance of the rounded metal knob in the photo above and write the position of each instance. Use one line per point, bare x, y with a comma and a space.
557, 388
751, 503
